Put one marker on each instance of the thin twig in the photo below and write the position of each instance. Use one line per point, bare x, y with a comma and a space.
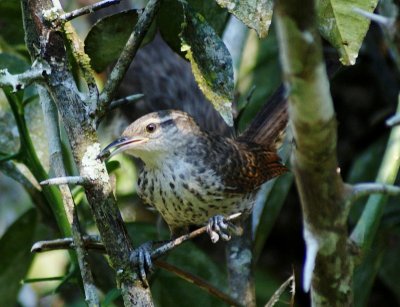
88, 9
90, 242
366, 189
393, 121
20, 81
65, 180
178, 241
382, 20
50, 113
127, 55
123, 101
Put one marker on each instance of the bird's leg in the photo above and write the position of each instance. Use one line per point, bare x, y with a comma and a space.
141, 258
219, 227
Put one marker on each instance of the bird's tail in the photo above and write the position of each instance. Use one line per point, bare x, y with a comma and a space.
269, 125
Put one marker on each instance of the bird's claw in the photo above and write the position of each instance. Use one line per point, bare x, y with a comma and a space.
141, 258
218, 227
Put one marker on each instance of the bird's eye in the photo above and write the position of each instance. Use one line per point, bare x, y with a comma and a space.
150, 128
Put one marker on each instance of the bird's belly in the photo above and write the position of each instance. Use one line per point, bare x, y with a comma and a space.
186, 200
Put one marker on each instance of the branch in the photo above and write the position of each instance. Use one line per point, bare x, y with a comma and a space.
176, 242
88, 9
20, 81
53, 133
127, 55
66, 180
48, 44
314, 161
123, 101
366, 189
92, 242
379, 19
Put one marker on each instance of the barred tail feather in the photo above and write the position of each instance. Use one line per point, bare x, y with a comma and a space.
269, 125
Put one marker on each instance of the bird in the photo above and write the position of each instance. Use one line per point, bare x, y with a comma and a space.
196, 177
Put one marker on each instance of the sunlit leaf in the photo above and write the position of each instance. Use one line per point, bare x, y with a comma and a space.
211, 63
108, 37
343, 27
254, 14
15, 256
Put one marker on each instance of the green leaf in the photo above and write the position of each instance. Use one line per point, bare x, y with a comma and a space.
171, 27
11, 28
390, 265
13, 63
259, 69
254, 14
211, 63
366, 271
108, 36
343, 27
275, 199
111, 296
167, 288
15, 256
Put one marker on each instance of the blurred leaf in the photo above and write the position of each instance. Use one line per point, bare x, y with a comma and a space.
111, 296
13, 63
167, 288
15, 256
366, 271
344, 28
112, 166
108, 37
273, 204
9, 137
260, 69
211, 63
254, 14
11, 28
141, 232
171, 27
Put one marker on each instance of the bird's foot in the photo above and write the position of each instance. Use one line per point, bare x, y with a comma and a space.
141, 259
219, 227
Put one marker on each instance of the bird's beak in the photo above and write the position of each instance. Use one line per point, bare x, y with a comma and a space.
119, 145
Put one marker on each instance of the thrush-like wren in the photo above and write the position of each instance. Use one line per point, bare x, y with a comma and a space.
190, 176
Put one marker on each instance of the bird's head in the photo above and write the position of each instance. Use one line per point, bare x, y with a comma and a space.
154, 136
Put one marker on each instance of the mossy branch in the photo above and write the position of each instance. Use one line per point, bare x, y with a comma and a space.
49, 45
329, 267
